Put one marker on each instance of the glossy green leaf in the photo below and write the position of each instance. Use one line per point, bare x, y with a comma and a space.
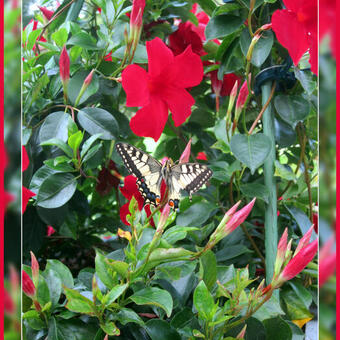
277, 328
63, 272
83, 40
126, 315
222, 25
140, 56
154, 296
60, 144
204, 302
285, 135
251, 150
196, 215
56, 190
292, 108
60, 37
95, 120
104, 271
78, 303
209, 266
74, 141
53, 281
114, 294
55, 126
88, 143
160, 329
75, 84
110, 328
40, 176
255, 190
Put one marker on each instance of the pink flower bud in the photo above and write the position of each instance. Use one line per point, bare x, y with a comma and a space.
50, 230
186, 153
136, 18
88, 79
216, 84
304, 240
164, 216
9, 306
27, 285
106, 337
233, 209
64, 65
242, 96
46, 13
282, 245
327, 261
35, 268
299, 261
239, 217
242, 333
266, 27
233, 92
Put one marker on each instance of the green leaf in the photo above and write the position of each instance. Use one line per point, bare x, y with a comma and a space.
255, 190
307, 80
95, 120
208, 6
60, 37
177, 233
222, 25
140, 57
53, 281
285, 135
62, 167
204, 302
196, 215
278, 329
114, 294
209, 266
60, 144
55, 126
75, 84
83, 40
261, 49
302, 292
75, 53
109, 327
92, 152
270, 309
104, 271
154, 296
160, 329
78, 303
301, 218
251, 150
43, 293
88, 143
33, 319
292, 108
56, 190
284, 172
32, 38
74, 141
40, 176
126, 315
63, 272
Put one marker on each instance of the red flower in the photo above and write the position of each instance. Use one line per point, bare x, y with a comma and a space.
296, 29
327, 261
202, 156
34, 27
25, 159
50, 230
46, 12
316, 222
186, 36
106, 180
27, 285
299, 261
162, 88
26, 194
108, 57
129, 190
225, 86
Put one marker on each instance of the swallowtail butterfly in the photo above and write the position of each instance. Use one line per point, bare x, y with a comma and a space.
150, 173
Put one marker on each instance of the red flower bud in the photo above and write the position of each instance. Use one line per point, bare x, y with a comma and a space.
304, 240
9, 306
88, 79
266, 27
242, 333
27, 285
136, 18
64, 64
242, 96
25, 159
299, 261
233, 209
327, 261
46, 12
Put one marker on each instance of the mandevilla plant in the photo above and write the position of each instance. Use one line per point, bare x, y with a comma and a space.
117, 95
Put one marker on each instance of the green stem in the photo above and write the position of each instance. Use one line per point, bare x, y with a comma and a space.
270, 183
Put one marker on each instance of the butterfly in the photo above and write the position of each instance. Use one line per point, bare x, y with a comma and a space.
150, 173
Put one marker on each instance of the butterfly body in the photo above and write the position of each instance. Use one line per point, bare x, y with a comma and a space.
150, 173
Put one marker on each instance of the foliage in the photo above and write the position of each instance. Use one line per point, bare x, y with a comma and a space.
101, 276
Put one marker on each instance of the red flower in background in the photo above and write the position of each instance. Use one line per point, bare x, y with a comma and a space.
162, 88
50, 230
107, 180
223, 87
327, 261
202, 156
34, 27
46, 12
129, 190
26, 194
296, 29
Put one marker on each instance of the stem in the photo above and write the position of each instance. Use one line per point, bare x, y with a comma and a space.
270, 183
263, 109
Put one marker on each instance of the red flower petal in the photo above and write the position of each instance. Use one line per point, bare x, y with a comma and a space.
313, 52
290, 33
50, 230
188, 68
148, 213
26, 195
123, 212
130, 187
25, 159
150, 120
135, 84
179, 102
159, 56
202, 156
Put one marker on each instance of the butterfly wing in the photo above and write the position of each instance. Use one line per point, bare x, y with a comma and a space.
186, 176
145, 168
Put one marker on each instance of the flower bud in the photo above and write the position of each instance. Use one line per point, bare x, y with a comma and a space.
304, 240
299, 261
281, 252
85, 85
243, 95
14, 278
136, 18
35, 269
46, 13
64, 65
9, 306
27, 285
252, 45
186, 153
164, 216
242, 333
266, 27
